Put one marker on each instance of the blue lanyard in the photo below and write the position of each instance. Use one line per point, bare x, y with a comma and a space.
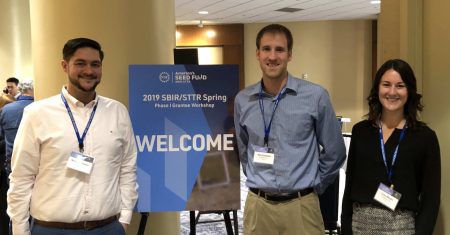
394, 156
261, 106
74, 124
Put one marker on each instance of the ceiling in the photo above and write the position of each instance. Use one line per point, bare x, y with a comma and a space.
259, 11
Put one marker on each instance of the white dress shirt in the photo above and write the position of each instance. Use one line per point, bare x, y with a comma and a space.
40, 182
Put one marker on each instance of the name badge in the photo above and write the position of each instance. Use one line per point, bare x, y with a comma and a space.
387, 196
80, 162
263, 155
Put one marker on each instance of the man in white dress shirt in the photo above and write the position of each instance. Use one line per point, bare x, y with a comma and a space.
74, 157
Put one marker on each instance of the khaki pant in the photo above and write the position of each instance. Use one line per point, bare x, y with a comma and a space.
300, 216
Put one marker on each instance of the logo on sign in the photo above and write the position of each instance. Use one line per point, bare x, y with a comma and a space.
164, 77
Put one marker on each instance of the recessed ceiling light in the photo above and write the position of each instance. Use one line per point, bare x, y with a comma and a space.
211, 33
203, 12
375, 2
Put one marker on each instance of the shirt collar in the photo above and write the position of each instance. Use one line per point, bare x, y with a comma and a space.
17, 95
76, 103
25, 97
291, 86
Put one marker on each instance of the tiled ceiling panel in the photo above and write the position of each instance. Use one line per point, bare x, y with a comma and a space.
259, 11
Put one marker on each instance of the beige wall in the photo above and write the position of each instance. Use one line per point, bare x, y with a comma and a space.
400, 34
436, 85
389, 31
15, 41
334, 54
125, 30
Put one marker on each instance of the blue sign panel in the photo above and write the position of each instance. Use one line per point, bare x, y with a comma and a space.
182, 118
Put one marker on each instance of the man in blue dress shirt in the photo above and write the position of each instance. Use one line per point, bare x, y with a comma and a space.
290, 143
10, 117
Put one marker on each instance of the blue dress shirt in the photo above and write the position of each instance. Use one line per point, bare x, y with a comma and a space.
10, 118
305, 135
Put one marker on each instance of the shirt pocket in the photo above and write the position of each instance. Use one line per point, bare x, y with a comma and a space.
296, 127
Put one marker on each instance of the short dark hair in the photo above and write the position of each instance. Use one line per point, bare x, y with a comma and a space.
275, 28
14, 80
413, 104
73, 45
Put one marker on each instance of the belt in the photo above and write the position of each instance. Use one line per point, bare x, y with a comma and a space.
87, 225
280, 197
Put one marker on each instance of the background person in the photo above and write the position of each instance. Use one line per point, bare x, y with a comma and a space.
290, 143
62, 196
5, 98
392, 148
12, 86
10, 118
4, 218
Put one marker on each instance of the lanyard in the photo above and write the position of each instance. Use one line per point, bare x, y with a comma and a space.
394, 156
261, 106
74, 124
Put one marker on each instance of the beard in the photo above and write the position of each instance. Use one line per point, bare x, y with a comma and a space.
77, 84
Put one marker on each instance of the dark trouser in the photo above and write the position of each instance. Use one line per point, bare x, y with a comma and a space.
4, 219
114, 228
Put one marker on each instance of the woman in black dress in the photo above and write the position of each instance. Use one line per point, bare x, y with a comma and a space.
393, 182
